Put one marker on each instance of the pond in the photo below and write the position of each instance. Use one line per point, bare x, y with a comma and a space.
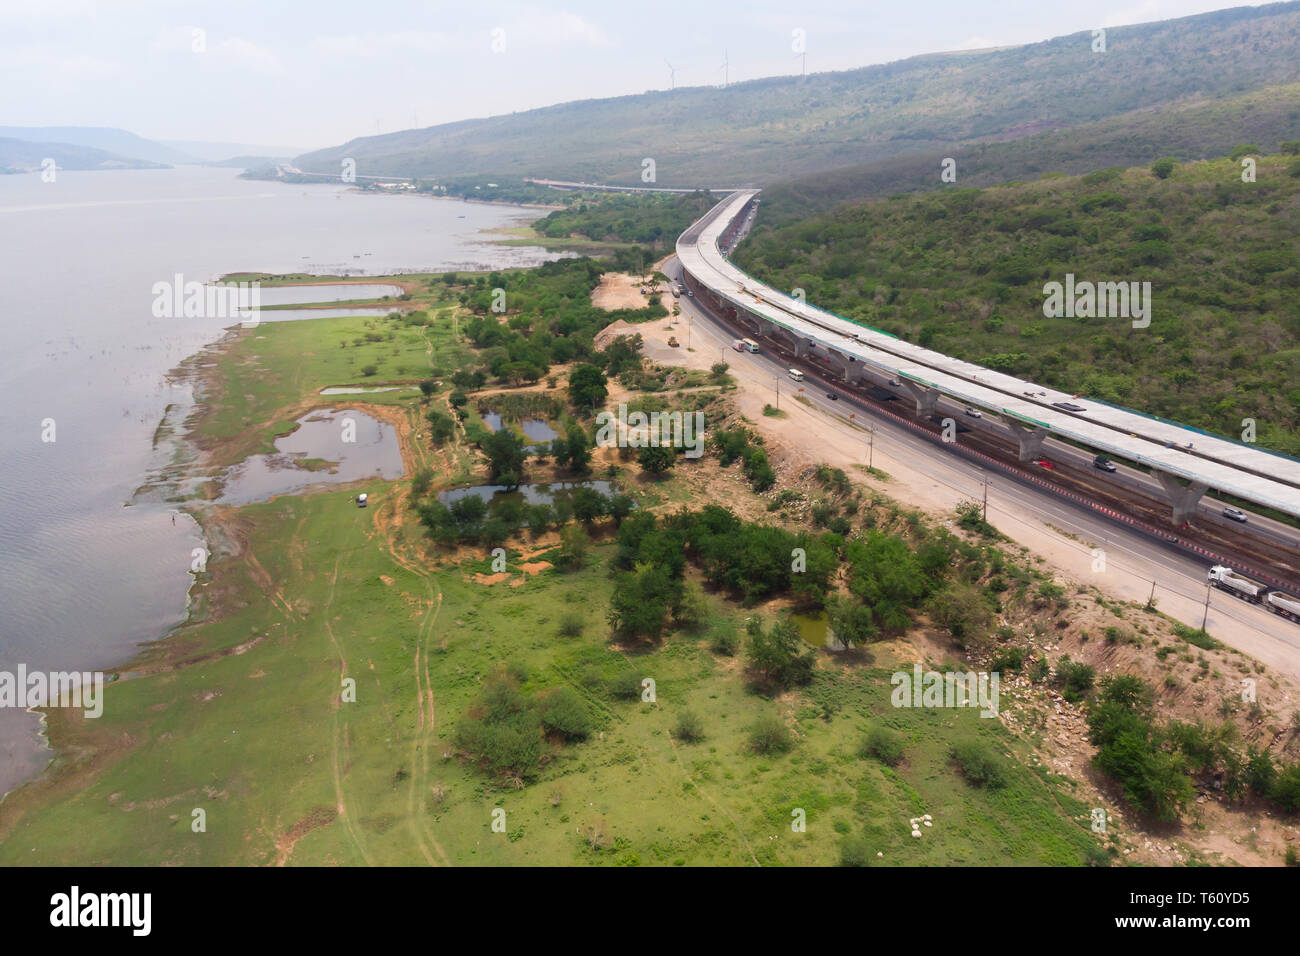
328, 447
815, 630
548, 493
539, 431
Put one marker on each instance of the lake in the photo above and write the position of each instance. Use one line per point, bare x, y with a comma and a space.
88, 571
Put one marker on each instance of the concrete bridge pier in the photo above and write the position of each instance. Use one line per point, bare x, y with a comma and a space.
1184, 498
926, 398
1030, 438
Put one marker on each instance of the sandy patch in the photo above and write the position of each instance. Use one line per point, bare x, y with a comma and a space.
618, 290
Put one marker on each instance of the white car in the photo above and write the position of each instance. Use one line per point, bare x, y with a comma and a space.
1236, 514
974, 412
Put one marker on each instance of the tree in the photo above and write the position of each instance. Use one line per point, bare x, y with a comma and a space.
587, 386
656, 459
505, 451
1163, 167
427, 387
779, 656
573, 451
641, 602
573, 547
961, 610
850, 622
589, 504
441, 427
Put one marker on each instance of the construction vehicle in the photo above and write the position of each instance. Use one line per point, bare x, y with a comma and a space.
1229, 580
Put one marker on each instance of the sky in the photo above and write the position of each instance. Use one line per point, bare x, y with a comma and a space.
298, 74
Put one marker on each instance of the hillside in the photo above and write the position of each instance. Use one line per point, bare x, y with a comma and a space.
21, 156
1195, 128
118, 141
963, 271
778, 127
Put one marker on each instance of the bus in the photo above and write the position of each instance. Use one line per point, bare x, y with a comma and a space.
749, 344
796, 375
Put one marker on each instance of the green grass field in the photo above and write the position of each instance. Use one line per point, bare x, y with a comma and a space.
260, 741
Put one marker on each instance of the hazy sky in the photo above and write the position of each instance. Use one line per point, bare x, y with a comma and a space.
292, 73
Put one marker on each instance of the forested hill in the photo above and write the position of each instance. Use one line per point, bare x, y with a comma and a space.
774, 128
1197, 128
963, 271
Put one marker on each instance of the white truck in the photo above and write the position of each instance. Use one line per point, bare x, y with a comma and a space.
1284, 604
1230, 580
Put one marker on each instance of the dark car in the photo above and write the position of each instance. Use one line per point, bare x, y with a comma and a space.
832, 396
1104, 463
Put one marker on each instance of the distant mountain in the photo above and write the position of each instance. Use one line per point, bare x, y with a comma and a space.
780, 127
105, 138
22, 156
225, 154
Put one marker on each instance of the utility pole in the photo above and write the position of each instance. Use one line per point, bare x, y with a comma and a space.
986, 497
777, 379
871, 448
1206, 619
1152, 599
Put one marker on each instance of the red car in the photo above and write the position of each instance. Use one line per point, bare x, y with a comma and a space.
1043, 463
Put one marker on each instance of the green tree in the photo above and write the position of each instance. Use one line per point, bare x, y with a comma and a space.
779, 656
1163, 167
505, 451
656, 459
587, 386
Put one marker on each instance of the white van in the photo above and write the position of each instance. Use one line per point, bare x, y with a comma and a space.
796, 375
362, 499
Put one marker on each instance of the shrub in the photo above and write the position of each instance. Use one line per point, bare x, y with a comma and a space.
855, 850
1075, 679
421, 481
980, 764
564, 713
1286, 788
725, 641
1008, 659
883, 744
688, 728
572, 624
769, 735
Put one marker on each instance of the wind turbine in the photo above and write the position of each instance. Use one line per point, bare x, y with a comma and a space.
804, 56
672, 75
726, 73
